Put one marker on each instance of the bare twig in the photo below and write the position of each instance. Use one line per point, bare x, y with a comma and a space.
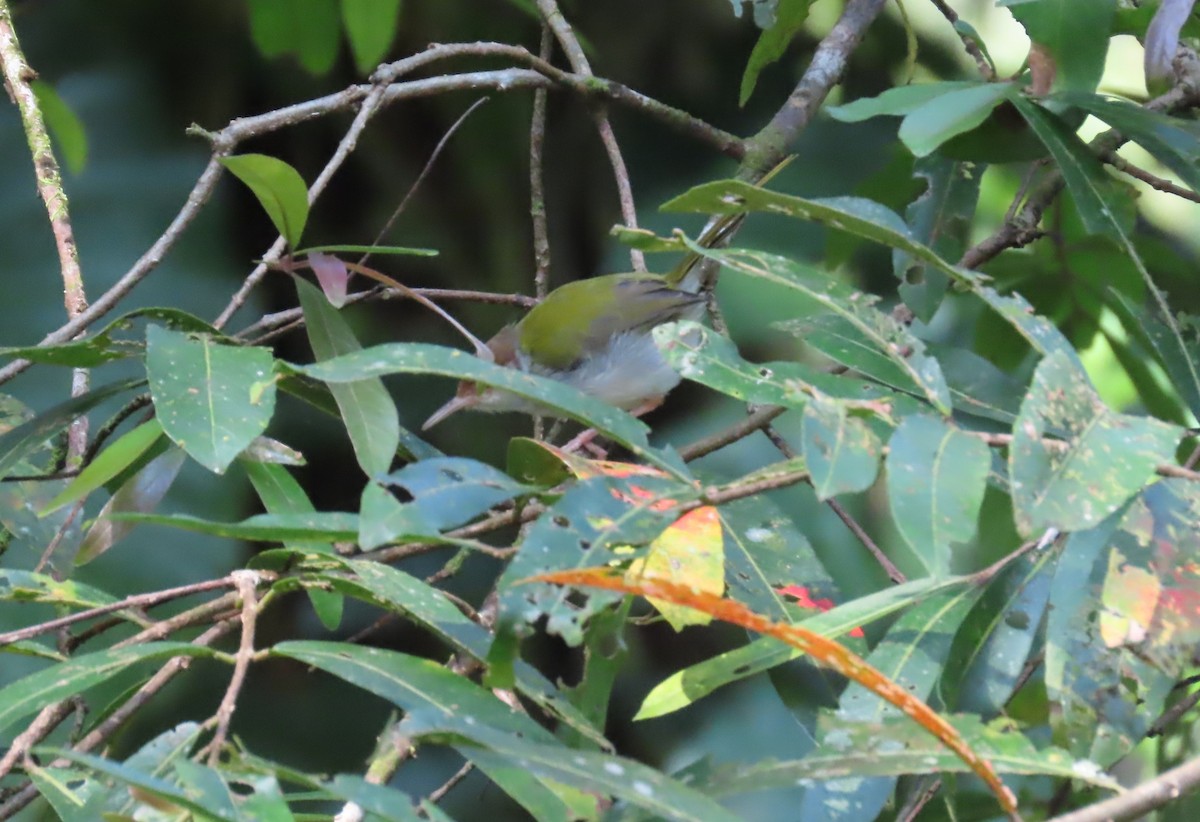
537, 190
1137, 802
755, 421
770, 145
18, 77
1121, 164
247, 587
570, 45
459, 776
894, 574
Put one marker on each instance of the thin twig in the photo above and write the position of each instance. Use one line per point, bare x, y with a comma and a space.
1140, 801
436, 796
755, 421
113, 722
1121, 164
247, 586
537, 190
579, 63
985, 68
136, 601
391, 751
437, 152
17, 79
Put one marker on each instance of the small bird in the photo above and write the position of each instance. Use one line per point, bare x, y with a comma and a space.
596, 335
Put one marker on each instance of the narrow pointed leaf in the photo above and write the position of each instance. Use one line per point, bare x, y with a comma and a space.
140, 494
370, 28
950, 114
108, 463
365, 404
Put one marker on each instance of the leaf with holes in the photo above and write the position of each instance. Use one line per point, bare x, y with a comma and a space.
211, 399
578, 531
1104, 459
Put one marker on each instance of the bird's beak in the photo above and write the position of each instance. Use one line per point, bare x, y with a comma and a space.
455, 404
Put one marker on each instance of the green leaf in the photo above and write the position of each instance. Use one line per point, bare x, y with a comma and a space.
912, 655
859, 324
896, 746
1178, 358
450, 491
150, 784
399, 592
1092, 190
1075, 33
896, 101
324, 526
101, 347
978, 387
108, 463
1104, 459
425, 690
27, 586
37, 690
307, 28
20, 441
281, 494
366, 407
685, 687
418, 358
65, 126
579, 531
997, 638
371, 28
211, 399
790, 16
607, 775
141, 493
936, 476
941, 217
279, 188
956, 112
73, 795
841, 452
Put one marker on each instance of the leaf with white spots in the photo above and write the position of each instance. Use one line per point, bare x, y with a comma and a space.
1102, 460
841, 452
936, 476
211, 399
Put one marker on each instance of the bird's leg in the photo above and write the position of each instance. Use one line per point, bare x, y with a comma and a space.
585, 438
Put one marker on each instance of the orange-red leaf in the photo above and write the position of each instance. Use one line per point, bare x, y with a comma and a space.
823, 650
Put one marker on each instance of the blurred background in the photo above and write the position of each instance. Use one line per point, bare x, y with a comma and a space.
137, 74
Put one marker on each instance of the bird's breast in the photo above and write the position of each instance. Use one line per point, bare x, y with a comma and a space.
625, 372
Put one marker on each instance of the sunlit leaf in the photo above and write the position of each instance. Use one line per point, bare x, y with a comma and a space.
957, 111
1074, 33
685, 687
690, 552
895, 101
